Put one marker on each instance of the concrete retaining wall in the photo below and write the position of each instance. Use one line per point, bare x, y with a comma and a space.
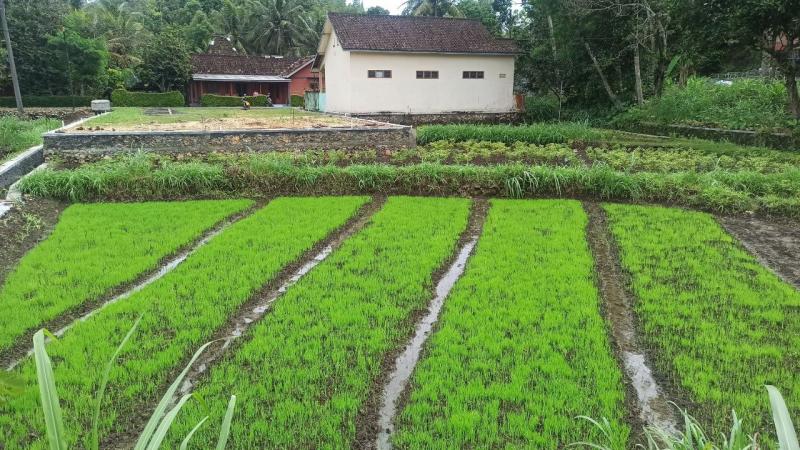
80, 147
13, 170
445, 118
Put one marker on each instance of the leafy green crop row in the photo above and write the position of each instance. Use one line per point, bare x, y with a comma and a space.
540, 133
719, 324
309, 365
648, 159
95, 248
135, 178
181, 312
521, 348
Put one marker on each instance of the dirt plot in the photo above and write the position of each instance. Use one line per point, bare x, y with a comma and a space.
775, 244
23, 228
229, 123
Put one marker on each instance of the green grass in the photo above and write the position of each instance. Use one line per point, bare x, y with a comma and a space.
540, 133
719, 325
135, 115
137, 177
521, 348
309, 365
181, 311
18, 134
95, 248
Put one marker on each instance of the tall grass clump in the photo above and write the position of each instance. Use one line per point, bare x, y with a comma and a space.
19, 134
746, 104
540, 133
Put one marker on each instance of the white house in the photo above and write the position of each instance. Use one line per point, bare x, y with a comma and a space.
371, 64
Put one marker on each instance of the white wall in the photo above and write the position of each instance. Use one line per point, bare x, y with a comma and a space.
351, 91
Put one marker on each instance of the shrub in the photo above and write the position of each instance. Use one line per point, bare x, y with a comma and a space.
541, 109
121, 97
297, 101
228, 100
47, 101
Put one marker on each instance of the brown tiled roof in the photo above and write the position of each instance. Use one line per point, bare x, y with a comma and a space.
417, 34
246, 65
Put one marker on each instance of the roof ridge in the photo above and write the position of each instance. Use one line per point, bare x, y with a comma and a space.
403, 16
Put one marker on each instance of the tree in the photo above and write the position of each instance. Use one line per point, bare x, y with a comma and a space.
81, 61
165, 62
481, 10
280, 27
436, 8
772, 27
377, 11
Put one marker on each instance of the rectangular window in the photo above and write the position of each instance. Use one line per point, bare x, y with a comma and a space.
473, 75
379, 73
427, 74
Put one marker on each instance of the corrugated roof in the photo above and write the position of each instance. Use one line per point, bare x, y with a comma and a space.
417, 34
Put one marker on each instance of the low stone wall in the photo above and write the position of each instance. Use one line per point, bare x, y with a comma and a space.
445, 118
67, 115
741, 137
81, 147
19, 166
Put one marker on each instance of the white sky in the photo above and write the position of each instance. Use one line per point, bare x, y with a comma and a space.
394, 6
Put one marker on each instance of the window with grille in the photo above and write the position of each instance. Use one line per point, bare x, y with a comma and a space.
379, 73
427, 74
473, 75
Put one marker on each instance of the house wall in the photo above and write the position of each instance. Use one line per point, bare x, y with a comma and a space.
336, 71
404, 93
302, 81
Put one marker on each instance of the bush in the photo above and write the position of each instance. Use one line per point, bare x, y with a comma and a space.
227, 100
541, 133
743, 105
47, 101
121, 97
297, 101
541, 109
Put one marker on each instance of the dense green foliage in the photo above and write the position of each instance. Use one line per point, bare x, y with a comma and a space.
543, 133
720, 325
180, 312
227, 100
699, 159
47, 101
20, 134
746, 104
521, 347
320, 349
121, 97
136, 178
95, 248
297, 101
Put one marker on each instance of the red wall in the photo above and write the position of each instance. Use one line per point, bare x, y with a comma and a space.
301, 81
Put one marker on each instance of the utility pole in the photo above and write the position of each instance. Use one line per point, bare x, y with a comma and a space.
11, 66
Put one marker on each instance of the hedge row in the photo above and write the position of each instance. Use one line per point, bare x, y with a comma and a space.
226, 100
297, 101
47, 101
121, 97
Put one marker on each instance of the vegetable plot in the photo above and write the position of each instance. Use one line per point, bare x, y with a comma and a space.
181, 312
309, 366
521, 348
720, 325
95, 248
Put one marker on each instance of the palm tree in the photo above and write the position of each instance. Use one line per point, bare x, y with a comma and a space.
280, 27
122, 29
232, 21
437, 8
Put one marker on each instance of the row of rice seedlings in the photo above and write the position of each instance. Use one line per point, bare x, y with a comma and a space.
308, 367
720, 325
538, 133
180, 312
649, 159
95, 248
521, 348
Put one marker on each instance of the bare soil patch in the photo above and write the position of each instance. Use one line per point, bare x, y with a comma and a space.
226, 123
367, 420
23, 228
775, 244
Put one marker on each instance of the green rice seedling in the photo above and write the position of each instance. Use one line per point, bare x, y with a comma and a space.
159, 422
95, 248
719, 324
540, 133
307, 369
181, 311
521, 347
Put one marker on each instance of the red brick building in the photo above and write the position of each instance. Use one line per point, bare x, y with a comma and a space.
224, 71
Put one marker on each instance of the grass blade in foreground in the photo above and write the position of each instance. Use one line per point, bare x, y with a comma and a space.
521, 348
181, 312
95, 248
721, 325
309, 365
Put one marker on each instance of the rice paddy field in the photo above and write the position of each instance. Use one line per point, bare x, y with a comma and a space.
309, 303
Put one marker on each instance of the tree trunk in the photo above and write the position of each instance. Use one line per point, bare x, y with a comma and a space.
637, 70
599, 70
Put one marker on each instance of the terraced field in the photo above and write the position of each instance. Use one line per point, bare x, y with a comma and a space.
310, 301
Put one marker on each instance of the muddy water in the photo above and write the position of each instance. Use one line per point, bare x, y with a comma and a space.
652, 402
162, 271
405, 363
243, 322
